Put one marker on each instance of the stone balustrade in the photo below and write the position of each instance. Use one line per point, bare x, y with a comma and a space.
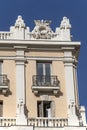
42, 30
7, 121
47, 122
38, 122
4, 35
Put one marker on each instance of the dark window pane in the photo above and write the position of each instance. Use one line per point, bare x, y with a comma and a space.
44, 109
40, 73
1, 108
0, 67
47, 73
40, 69
43, 72
47, 69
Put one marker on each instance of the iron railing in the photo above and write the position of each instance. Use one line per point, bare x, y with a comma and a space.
44, 80
4, 80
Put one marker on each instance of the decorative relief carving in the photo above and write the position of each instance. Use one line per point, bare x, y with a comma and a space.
45, 97
72, 108
20, 107
42, 30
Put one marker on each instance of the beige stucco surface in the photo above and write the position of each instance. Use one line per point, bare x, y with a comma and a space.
60, 100
9, 102
7, 53
44, 53
9, 68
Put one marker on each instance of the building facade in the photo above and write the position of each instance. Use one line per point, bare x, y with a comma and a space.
38, 78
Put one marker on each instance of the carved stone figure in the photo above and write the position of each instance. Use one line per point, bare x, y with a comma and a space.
65, 24
19, 22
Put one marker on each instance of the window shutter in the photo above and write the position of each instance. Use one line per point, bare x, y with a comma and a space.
40, 109
53, 109
1, 109
0, 67
1, 79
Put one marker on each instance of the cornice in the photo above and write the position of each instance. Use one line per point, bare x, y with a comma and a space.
41, 45
72, 60
39, 42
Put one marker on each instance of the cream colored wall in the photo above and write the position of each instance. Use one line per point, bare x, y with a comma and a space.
9, 68
9, 102
57, 69
30, 98
44, 54
7, 53
60, 102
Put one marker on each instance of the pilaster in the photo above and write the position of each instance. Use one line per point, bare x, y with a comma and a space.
70, 88
20, 86
83, 115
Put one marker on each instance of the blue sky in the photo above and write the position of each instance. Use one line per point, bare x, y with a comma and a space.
55, 10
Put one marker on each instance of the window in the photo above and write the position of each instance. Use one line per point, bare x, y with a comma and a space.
43, 73
1, 108
44, 68
45, 109
1, 79
0, 67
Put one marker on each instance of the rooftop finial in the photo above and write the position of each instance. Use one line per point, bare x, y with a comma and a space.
20, 22
65, 23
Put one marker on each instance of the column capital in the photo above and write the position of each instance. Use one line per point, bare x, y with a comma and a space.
70, 61
20, 55
20, 62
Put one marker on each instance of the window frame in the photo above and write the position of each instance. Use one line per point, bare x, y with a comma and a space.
41, 108
44, 67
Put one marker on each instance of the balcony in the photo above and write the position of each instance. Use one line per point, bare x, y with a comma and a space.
36, 122
4, 84
4, 121
47, 122
4, 35
45, 84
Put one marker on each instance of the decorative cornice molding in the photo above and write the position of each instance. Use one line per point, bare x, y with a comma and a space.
73, 60
20, 47
38, 42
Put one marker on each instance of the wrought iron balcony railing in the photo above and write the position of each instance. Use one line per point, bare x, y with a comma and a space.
4, 84
42, 80
43, 83
3, 80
